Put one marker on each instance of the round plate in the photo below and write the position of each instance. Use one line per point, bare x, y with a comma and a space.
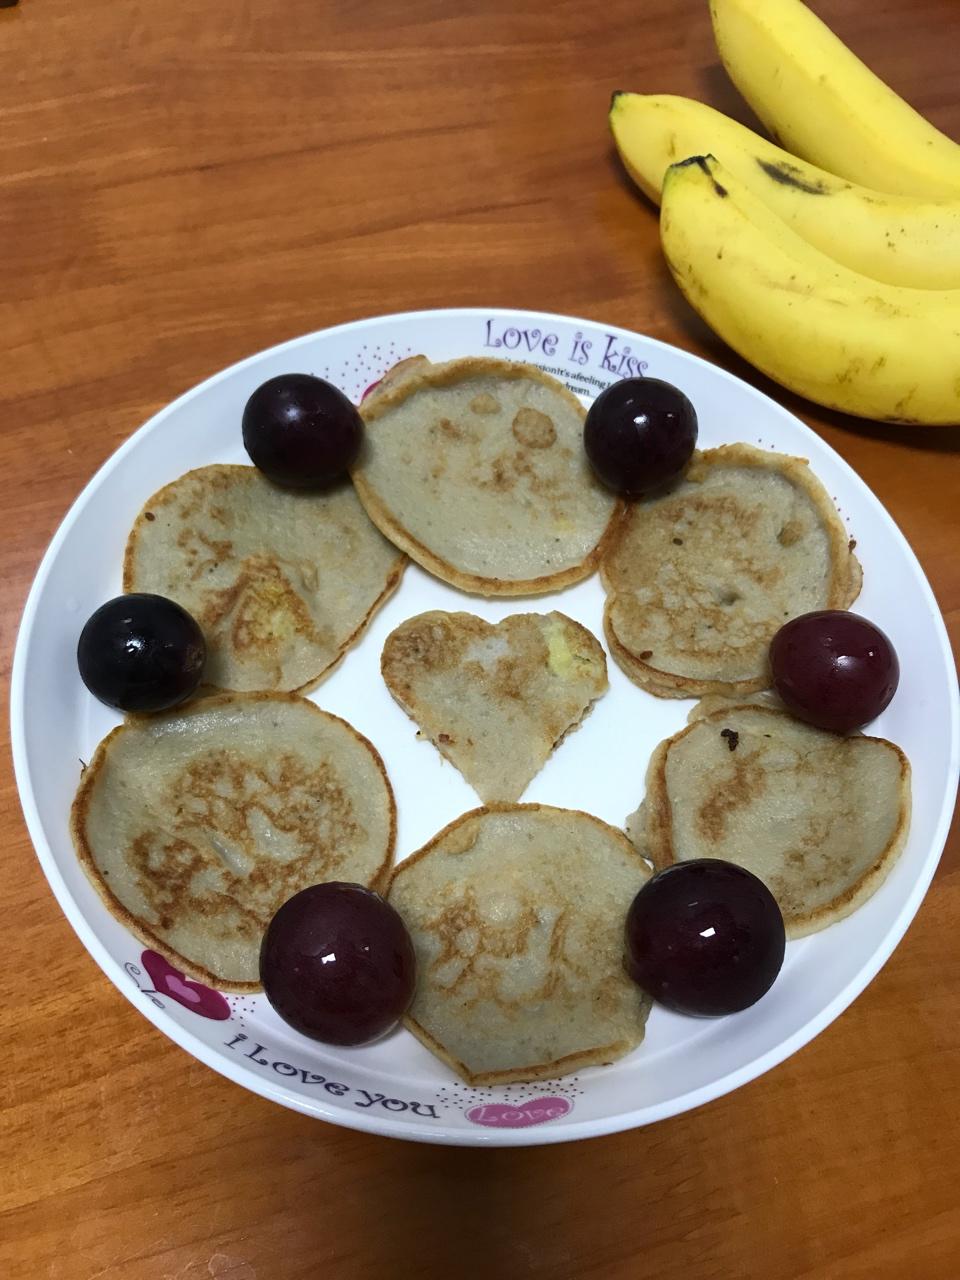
395, 1086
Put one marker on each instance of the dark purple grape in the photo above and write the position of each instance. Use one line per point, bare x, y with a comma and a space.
141, 652
704, 937
834, 669
337, 964
300, 431
639, 434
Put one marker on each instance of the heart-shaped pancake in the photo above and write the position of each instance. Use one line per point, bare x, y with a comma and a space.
494, 699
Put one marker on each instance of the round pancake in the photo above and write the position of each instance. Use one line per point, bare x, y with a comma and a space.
700, 578
195, 826
281, 582
495, 700
517, 915
819, 818
476, 470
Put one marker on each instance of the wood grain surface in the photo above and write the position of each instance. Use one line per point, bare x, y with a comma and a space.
182, 183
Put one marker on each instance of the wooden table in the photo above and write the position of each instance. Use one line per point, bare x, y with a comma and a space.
186, 182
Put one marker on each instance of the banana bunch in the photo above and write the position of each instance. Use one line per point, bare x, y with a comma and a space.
842, 282
835, 336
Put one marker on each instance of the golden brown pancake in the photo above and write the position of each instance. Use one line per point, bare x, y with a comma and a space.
819, 818
196, 825
700, 578
281, 582
517, 915
495, 700
476, 469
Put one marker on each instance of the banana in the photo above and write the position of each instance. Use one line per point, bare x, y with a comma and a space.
890, 238
818, 99
834, 336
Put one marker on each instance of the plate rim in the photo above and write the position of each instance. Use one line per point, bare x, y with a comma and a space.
443, 1135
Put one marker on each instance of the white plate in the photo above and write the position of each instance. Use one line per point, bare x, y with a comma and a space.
396, 1087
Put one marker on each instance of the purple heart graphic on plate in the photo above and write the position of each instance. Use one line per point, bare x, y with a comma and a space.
507, 1115
168, 981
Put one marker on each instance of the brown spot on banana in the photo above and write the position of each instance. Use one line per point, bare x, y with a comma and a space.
702, 163
853, 369
900, 407
790, 175
881, 306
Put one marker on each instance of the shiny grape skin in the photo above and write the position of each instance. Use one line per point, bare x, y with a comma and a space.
704, 937
337, 964
834, 669
302, 432
640, 434
141, 653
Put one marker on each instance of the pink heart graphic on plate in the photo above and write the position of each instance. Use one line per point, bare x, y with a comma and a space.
169, 981
180, 991
506, 1115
